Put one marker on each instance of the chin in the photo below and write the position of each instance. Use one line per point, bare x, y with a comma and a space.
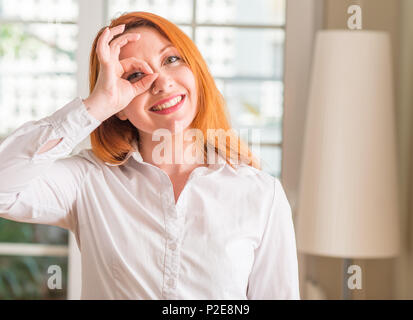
177, 126
177, 122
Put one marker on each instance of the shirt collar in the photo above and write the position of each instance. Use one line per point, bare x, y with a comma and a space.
133, 152
219, 164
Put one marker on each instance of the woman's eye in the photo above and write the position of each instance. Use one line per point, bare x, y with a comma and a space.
133, 75
139, 75
173, 60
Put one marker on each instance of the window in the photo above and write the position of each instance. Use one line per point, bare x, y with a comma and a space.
243, 45
37, 76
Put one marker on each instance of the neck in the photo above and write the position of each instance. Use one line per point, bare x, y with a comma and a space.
171, 153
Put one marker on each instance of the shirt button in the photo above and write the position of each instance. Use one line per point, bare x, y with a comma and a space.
172, 246
171, 283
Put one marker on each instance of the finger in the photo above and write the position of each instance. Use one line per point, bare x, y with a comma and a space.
145, 83
124, 37
115, 31
107, 35
118, 43
102, 53
131, 63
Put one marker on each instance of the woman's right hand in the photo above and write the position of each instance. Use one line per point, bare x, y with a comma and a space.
111, 93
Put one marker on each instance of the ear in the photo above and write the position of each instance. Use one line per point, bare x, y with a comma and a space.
121, 116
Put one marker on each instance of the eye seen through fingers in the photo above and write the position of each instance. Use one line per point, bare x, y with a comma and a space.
136, 76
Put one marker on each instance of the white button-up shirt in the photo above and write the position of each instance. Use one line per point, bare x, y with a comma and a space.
229, 236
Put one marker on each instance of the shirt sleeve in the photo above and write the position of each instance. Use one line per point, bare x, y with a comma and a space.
42, 188
274, 274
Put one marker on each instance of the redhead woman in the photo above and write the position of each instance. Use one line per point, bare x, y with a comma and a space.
156, 215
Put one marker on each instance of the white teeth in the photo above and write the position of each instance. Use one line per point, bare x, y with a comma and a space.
168, 104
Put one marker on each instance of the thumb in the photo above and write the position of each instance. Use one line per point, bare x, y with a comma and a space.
145, 83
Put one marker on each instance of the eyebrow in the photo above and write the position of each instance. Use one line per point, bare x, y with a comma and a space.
166, 47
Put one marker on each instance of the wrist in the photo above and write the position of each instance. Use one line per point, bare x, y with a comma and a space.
97, 107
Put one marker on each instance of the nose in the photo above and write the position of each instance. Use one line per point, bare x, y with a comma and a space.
163, 83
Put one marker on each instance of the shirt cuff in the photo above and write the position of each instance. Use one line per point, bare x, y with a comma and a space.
73, 123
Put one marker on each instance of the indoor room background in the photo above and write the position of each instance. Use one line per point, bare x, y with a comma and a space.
260, 54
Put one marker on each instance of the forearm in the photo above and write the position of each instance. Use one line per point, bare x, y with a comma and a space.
49, 145
96, 108
34, 146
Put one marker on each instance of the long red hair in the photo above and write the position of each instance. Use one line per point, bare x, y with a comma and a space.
112, 140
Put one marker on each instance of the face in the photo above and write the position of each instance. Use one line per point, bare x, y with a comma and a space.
175, 79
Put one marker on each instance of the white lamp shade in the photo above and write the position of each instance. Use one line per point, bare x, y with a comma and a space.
348, 203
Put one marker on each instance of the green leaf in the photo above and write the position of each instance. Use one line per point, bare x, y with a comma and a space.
11, 279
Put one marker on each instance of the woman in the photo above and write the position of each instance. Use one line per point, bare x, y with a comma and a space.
147, 228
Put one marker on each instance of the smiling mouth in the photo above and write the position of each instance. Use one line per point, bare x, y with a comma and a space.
172, 103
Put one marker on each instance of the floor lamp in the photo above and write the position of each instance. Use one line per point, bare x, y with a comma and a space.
348, 202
